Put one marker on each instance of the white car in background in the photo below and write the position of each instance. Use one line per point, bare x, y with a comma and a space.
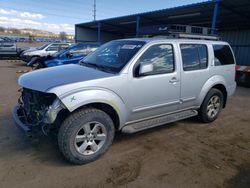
43, 51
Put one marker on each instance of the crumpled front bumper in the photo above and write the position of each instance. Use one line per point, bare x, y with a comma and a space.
20, 121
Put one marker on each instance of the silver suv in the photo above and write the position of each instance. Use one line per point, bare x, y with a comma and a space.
126, 85
8, 48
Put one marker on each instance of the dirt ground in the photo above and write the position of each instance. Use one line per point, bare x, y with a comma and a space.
182, 154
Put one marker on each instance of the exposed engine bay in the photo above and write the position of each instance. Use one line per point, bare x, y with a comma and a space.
35, 105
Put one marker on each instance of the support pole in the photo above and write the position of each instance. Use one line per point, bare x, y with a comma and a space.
99, 32
215, 14
94, 11
137, 25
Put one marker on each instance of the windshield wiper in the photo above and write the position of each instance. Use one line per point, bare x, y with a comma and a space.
105, 68
97, 66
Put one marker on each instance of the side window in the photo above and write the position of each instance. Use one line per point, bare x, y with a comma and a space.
222, 55
53, 47
202, 49
194, 56
63, 46
161, 57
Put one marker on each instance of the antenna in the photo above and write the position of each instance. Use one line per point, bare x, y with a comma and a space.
94, 10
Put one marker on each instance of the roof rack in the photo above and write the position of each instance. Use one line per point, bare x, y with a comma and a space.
178, 31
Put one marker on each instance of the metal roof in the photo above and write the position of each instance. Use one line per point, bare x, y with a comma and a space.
232, 15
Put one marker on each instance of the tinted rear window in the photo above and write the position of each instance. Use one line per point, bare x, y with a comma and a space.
223, 55
194, 56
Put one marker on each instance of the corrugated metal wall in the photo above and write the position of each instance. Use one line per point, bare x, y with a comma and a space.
240, 42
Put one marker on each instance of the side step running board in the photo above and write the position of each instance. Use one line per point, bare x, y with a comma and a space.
154, 122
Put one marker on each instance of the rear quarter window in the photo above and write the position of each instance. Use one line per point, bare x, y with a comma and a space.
223, 55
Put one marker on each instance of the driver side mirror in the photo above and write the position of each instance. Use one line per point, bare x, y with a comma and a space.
145, 68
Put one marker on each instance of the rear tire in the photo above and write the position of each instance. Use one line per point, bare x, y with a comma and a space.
85, 135
211, 106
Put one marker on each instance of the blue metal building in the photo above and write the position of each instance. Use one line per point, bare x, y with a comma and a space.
230, 19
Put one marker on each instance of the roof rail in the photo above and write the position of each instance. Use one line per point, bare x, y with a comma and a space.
178, 31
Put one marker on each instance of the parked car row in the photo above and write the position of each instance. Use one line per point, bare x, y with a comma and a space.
47, 55
71, 55
42, 51
36, 39
54, 54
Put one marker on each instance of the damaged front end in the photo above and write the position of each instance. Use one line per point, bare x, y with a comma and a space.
36, 111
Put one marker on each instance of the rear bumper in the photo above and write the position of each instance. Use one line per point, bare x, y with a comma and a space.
19, 119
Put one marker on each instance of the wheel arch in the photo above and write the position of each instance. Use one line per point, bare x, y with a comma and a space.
223, 89
217, 82
107, 108
104, 100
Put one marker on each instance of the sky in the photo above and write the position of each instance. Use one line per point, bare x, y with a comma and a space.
62, 15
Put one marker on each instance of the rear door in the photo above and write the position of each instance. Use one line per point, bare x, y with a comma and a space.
194, 72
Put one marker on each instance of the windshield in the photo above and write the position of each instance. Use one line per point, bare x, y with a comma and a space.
42, 47
113, 56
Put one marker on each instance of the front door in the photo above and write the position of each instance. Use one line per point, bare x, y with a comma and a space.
156, 92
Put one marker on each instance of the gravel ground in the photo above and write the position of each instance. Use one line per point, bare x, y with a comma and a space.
182, 154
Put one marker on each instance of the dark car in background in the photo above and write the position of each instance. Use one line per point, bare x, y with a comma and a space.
71, 55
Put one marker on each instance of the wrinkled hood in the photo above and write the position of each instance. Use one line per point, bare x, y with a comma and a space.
44, 79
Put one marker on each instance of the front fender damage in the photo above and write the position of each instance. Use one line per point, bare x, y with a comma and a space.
78, 99
53, 111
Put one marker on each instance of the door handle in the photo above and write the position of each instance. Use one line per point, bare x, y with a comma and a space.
173, 80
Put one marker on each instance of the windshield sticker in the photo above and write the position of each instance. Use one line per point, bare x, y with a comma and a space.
128, 46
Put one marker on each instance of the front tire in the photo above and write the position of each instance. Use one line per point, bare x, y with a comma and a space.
85, 135
211, 106
37, 65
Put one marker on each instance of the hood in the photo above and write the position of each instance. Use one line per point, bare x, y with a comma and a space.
31, 49
44, 79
